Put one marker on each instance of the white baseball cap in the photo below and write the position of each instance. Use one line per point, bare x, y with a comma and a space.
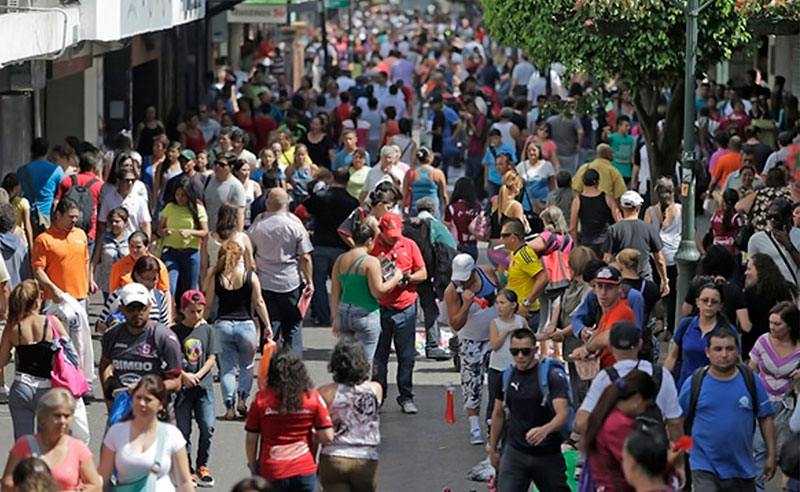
463, 265
631, 199
134, 293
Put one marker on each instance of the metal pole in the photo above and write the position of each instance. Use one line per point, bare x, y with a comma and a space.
688, 254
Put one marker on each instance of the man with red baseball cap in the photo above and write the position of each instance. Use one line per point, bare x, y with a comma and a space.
398, 307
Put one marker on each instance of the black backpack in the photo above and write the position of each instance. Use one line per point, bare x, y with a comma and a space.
419, 231
443, 267
82, 195
653, 413
697, 382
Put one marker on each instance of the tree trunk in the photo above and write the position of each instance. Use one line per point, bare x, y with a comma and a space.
663, 147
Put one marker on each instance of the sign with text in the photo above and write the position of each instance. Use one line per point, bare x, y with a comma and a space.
259, 13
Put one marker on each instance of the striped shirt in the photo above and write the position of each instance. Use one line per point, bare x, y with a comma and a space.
774, 370
159, 309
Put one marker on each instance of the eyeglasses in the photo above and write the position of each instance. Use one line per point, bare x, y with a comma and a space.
526, 351
221, 164
708, 301
506, 234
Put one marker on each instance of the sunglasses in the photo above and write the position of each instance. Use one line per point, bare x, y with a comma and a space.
526, 351
221, 164
504, 235
128, 180
708, 301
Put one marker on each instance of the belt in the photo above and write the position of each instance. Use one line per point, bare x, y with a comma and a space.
180, 250
33, 381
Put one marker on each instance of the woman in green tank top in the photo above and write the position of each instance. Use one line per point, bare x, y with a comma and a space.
357, 284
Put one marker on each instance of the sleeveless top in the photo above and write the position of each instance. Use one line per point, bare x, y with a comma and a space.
235, 305
356, 423
497, 222
505, 133
213, 245
195, 144
301, 177
355, 287
36, 359
424, 186
670, 236
501, 358
477, 325
595, 217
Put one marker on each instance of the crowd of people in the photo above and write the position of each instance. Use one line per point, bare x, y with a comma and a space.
211, 237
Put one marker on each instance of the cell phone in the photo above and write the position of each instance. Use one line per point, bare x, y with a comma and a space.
387, 268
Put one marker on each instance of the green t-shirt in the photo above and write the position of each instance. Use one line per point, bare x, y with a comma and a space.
181, 218
623, 151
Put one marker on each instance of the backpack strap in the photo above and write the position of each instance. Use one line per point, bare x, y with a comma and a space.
612, 373
33, 445
682, 328
697, 382
74, 179
162, 437
658, 376
750, 382
90, 183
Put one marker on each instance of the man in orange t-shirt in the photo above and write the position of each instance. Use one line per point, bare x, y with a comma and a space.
726, 164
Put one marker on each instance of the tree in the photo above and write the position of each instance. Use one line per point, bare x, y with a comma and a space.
648, 53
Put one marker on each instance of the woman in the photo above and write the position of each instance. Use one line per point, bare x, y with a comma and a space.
278, 443
548, 245
284, 149
505, 207
666, 214
460, 213
358, 172
610, 423
201, 165
227, 230
382, 199
548, 148
320, 146
756, 204
168, 169
350, 461
238, 292
748, 175
594, 211
120, 161
69, 460
127, 445
191, 136
764, 287
539, 177
113, 247
145, 272
357, 283
301, 173
138, 246
645, 460
628, 261
252, 189
404, 141
389, 127
148, 131
424, 180
775, 357
726, 222
139, 216
688, 352
154, 160
31, 336
183, 224
244, 117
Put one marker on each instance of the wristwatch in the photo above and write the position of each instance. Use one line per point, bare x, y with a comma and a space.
527, 302
406, 277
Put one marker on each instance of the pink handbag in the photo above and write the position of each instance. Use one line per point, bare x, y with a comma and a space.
65, 375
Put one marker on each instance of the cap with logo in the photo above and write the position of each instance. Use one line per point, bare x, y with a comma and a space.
391, 225
608, 275
192, 297
134, 292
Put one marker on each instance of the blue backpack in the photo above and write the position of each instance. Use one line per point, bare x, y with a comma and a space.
545, 365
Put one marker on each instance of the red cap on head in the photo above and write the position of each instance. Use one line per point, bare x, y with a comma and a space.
391, 225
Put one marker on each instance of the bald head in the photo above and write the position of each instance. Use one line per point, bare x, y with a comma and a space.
277, 200
604, 152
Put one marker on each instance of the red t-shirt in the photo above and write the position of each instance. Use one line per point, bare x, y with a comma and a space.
83, 180
285, 447
619, 312
264, 125
610, 441
408, 258
461, 214
725, 234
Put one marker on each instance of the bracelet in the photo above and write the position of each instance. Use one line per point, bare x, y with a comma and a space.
253, 467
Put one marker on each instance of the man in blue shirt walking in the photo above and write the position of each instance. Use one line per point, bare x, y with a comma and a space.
492, 179
40, 179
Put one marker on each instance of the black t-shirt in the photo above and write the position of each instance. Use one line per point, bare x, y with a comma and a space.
330, 208
488, 75
733, 301
526, 410
155, 350
649, 290
197, 344
438, 123
762, 152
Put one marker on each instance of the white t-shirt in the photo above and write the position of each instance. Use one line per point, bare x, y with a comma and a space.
376, 175
138, 210
667, 398
132, 466
501, 359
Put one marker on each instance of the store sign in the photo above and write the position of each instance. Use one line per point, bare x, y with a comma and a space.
140, 16
259, 12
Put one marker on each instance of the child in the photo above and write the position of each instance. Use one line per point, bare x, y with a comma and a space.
22, 207
199, 345
499, 329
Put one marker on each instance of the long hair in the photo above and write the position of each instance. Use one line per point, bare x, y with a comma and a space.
164, 169
155, 386
790, 315
116, 163
187, 186
22, 301
554, 221
228, 259
227, 221
729, 198
464, 189
511, 178
143, 265
288, 375
649, 448
634, 383
771, 284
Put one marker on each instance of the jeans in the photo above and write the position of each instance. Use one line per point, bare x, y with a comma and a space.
22, 400
183, 268
783, 412
197, 402
398, 325
568, 162
323, 258
238, 341
287, 325
363, 325
427, 301
474, 167
518, 469
299, 483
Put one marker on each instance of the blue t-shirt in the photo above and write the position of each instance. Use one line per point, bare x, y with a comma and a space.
449, 147
344, 159
490, 161
45, 177
694, 348
723, 426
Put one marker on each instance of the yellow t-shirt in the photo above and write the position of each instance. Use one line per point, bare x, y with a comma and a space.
181, 218
21, 204
611, 181
522, 270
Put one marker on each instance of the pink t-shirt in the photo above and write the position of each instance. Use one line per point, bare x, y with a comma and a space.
68, 472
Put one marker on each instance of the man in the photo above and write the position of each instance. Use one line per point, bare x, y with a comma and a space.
403, 70
187, 159
138, 347
622, 145
282, 252
632, 232
471, 321
780, 155
446, 127
389, 168
510, 134
775, 241
625, 343
294, 125
721, 419
531, 444
208, 125
759, 149
239, 140
567, 133
492, 177
398, 308
606, 286
40, 179
611, 181
726, 164
223, 187
86, 178
330, 208
271, 178
526, 276
589, 312
344, 157
520, 76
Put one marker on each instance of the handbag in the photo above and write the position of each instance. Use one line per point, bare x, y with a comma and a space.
481, 227
147, 483
63, 374
743, 237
